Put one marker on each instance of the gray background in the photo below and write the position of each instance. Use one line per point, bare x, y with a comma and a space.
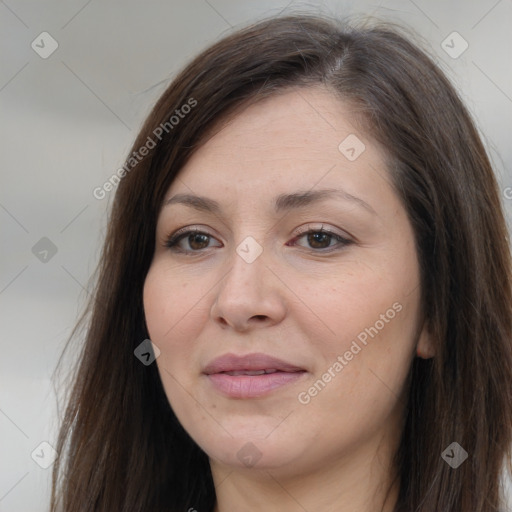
68, 123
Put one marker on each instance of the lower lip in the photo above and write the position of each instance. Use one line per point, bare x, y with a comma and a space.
252, 386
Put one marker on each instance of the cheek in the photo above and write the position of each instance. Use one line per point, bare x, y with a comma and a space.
171, 305
156, 307
364, 370
369, 326
173, 315
363, 303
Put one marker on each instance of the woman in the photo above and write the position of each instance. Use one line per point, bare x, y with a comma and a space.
309, 231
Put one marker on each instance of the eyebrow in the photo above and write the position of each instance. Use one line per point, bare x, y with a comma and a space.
283, 202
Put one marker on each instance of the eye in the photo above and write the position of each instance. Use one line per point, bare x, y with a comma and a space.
195, 239
189, 241
321, 239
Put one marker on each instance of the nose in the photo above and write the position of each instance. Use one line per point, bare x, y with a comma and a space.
249, 296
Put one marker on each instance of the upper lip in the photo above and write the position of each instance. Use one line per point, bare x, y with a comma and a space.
249, 362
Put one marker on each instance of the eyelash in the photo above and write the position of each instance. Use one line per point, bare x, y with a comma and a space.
174, 239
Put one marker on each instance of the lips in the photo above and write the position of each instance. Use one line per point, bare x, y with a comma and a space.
250, 372
244, 365
250, 376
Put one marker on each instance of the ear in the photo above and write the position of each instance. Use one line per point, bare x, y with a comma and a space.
425, 346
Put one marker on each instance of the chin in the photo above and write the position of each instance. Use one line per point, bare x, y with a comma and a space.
251, 452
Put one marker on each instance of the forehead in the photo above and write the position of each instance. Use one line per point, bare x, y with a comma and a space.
296, 119
294, 140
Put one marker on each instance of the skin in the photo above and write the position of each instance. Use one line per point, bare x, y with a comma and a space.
303, 300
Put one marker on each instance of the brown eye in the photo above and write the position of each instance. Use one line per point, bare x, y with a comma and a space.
198, 241
322, 240
189, 241
319, 240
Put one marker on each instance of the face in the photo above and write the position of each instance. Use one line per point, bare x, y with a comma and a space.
282, 248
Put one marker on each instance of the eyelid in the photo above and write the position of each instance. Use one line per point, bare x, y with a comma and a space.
188, 229
343, 240
175, 237
172, 240
301, 230
311, 226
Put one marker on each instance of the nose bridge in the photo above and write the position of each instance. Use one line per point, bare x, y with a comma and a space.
247, 290
247, 264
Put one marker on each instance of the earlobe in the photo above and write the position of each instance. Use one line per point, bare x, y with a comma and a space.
424, 354
425, 347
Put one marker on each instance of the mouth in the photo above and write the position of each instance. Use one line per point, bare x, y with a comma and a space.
250, 376
257, 362
250, 372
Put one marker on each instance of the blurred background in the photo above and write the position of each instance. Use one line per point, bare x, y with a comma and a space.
77, 79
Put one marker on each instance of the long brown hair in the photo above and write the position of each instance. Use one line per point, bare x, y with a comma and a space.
121, 446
